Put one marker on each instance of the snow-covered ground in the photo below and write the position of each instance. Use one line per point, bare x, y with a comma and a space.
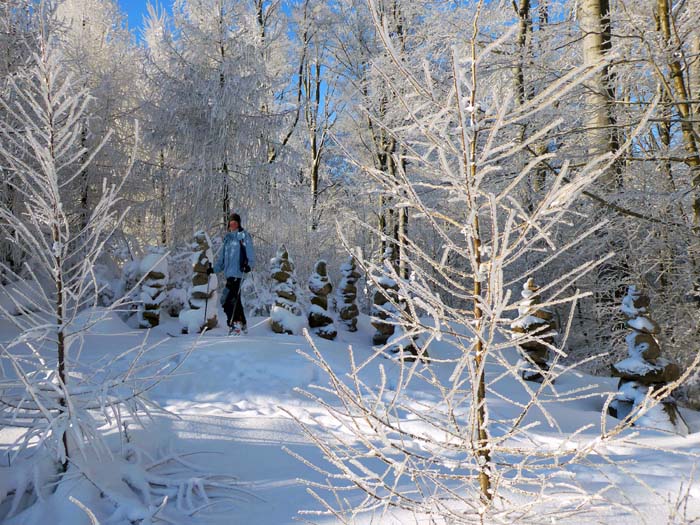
230, 404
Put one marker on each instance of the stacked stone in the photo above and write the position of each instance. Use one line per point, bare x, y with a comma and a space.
319, 321
153, 287
203, 292
385, 296
539, 323
644, 371
409, 349
347, 295
286, 315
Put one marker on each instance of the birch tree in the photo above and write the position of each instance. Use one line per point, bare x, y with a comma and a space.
315, 94
595, 22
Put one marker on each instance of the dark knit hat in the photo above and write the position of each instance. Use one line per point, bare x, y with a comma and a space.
235, 217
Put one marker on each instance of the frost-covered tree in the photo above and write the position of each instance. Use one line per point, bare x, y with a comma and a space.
286, 315
320, 322
97, 49
60, 393
206, 94
463, 142
63, 256
46, 383
316, 80
17, 26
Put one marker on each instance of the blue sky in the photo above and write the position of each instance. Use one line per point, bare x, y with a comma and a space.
134, 9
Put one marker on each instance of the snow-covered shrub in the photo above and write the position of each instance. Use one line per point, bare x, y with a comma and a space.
286, 315
320, 322
203, 301
19, 297
127, 288
346, 295
446, 441
179, 280
534, 332
645, 371
105, 284
154, 269
175, 301
406, 342
257, 294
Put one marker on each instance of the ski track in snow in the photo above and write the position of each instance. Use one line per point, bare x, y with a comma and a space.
230, 398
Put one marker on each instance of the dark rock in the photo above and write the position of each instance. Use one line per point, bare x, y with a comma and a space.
321, 301
289, 296
349, 312
200, 279
653, 349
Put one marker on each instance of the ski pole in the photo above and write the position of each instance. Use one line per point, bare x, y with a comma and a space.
206, 299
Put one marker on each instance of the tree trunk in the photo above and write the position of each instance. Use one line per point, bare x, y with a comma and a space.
163, 206
61, 343
680, 95
402, 236
522, 93
594, 16
313, 121
225, 202
381, 226
524, 27
694, 71
469, 162
58, 282
85, 190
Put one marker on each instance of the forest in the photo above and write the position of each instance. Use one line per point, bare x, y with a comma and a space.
485, 207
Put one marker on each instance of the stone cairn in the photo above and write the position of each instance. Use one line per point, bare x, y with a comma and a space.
644, 371
153, 287
203, 292
539, 323
346, 299
286, 315
382, 306
319, 321
409, 349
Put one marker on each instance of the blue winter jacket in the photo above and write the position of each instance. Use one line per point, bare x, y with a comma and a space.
229, 257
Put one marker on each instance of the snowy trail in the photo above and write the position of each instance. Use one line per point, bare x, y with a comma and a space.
230, 401
249, 448
230, 398
232, 395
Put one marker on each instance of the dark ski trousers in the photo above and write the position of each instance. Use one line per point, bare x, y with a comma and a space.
232, 306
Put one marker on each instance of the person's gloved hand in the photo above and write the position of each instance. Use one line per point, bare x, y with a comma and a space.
210, 269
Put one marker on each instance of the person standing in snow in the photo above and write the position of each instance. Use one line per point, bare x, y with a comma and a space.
236, 258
